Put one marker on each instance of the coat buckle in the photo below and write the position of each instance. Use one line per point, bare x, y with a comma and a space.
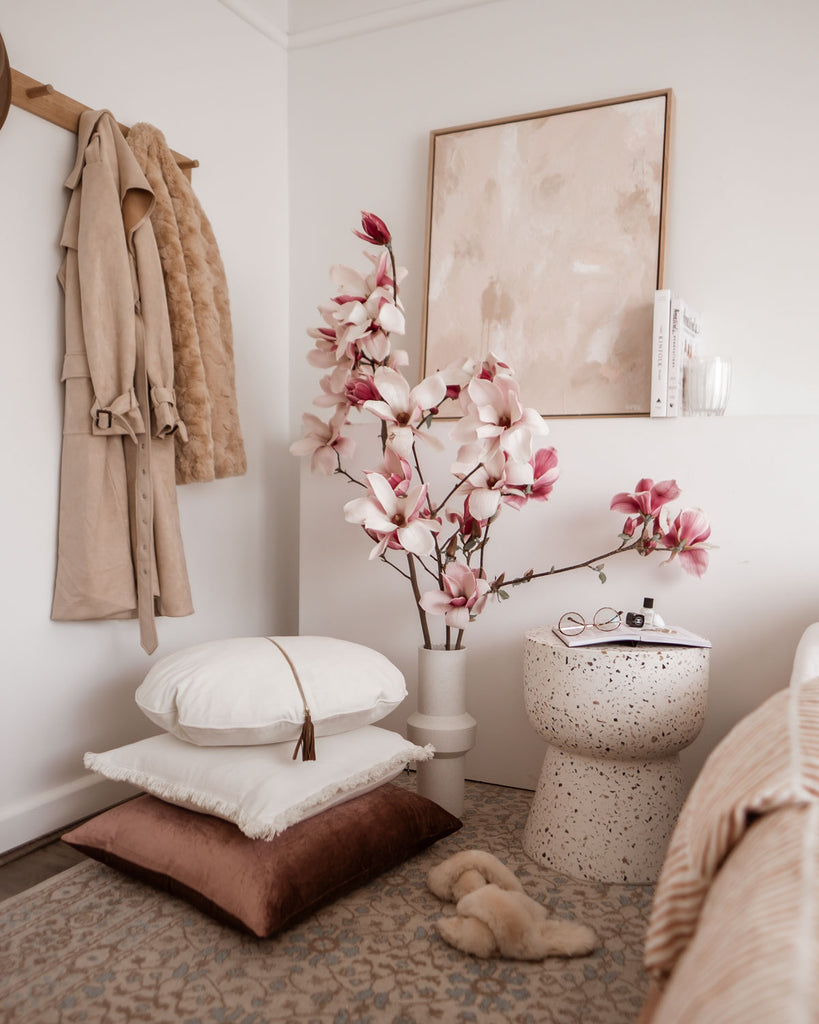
104, 426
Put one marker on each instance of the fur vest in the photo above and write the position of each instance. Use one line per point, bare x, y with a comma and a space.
199, 310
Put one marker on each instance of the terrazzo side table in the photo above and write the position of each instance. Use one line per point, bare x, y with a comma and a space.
615, 718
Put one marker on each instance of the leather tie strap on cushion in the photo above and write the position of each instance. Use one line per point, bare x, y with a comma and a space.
307, 738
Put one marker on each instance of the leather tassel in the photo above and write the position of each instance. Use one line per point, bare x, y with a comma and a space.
307, 740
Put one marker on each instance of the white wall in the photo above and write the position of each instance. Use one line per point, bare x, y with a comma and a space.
218, 89
742, 220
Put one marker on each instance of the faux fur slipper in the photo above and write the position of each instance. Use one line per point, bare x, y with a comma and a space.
467, 871
492, 922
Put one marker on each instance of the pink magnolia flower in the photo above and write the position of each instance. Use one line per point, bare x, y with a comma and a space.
492, 367
648, 498
375, 230
462, 599
398, 474
469, 528
397, 358
397, 471
383, 266
457, 376
367, 309
375, 345
323, 442
404, 409
391, 516
486, 486
545, 474
383, 303
333, 392
686, 538
327, 350
360, 388
496, 415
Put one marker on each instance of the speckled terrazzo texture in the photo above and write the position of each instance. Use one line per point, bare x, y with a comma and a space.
95, 946
615, 718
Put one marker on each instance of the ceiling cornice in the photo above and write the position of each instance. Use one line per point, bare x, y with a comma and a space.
249, 12
403, 14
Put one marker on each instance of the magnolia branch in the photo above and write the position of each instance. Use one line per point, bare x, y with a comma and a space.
452, 490
527, 577
341, 471
417, 595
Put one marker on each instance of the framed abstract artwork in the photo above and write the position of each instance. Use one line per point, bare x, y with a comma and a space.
545, 240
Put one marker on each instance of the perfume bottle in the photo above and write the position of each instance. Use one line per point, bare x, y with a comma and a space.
653, 620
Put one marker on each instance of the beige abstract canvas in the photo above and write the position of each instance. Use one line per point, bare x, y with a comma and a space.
545, 247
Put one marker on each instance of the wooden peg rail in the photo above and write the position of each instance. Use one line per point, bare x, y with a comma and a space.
42, 100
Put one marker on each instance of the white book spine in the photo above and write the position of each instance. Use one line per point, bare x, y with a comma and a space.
675, 357
659, 352
691, 331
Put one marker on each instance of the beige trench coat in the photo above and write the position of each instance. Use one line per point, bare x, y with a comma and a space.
120, 551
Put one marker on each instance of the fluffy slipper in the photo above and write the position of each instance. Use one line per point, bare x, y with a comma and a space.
492, 922
467, 871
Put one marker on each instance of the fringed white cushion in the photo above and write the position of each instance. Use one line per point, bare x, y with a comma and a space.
260, 788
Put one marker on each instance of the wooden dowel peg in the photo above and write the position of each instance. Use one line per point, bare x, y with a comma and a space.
39, 90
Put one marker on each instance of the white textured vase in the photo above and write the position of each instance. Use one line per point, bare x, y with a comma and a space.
443, 721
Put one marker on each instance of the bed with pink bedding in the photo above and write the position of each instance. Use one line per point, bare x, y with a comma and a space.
734, 930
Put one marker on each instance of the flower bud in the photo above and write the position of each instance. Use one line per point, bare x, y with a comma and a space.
375, 230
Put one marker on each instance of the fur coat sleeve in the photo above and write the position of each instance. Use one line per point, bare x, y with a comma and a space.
199, 308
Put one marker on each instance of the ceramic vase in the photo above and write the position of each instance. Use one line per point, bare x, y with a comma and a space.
443, 721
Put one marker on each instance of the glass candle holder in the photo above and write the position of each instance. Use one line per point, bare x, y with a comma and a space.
706, 386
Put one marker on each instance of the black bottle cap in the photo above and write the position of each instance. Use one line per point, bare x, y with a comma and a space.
648, 602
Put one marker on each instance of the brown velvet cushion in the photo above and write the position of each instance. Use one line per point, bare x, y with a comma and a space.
257, 884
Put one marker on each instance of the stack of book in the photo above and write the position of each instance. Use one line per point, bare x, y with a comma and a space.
676, 339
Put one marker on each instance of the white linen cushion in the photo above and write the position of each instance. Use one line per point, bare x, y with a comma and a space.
260, 788
242, 690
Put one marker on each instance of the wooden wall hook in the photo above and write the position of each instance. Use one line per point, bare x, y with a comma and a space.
43, 100
39, 90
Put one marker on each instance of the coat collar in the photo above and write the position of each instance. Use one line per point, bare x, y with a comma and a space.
124, 165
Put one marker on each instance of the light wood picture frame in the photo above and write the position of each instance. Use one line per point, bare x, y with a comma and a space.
545, 246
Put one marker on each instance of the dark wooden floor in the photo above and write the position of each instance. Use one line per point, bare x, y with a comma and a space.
38, 860
20, 869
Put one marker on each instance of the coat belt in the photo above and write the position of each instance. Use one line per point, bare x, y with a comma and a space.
144, 506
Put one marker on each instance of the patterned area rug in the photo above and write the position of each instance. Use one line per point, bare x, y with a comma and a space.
91, 945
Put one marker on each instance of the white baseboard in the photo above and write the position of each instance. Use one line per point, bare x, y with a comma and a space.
27, 820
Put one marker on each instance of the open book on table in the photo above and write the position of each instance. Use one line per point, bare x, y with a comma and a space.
631, 635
